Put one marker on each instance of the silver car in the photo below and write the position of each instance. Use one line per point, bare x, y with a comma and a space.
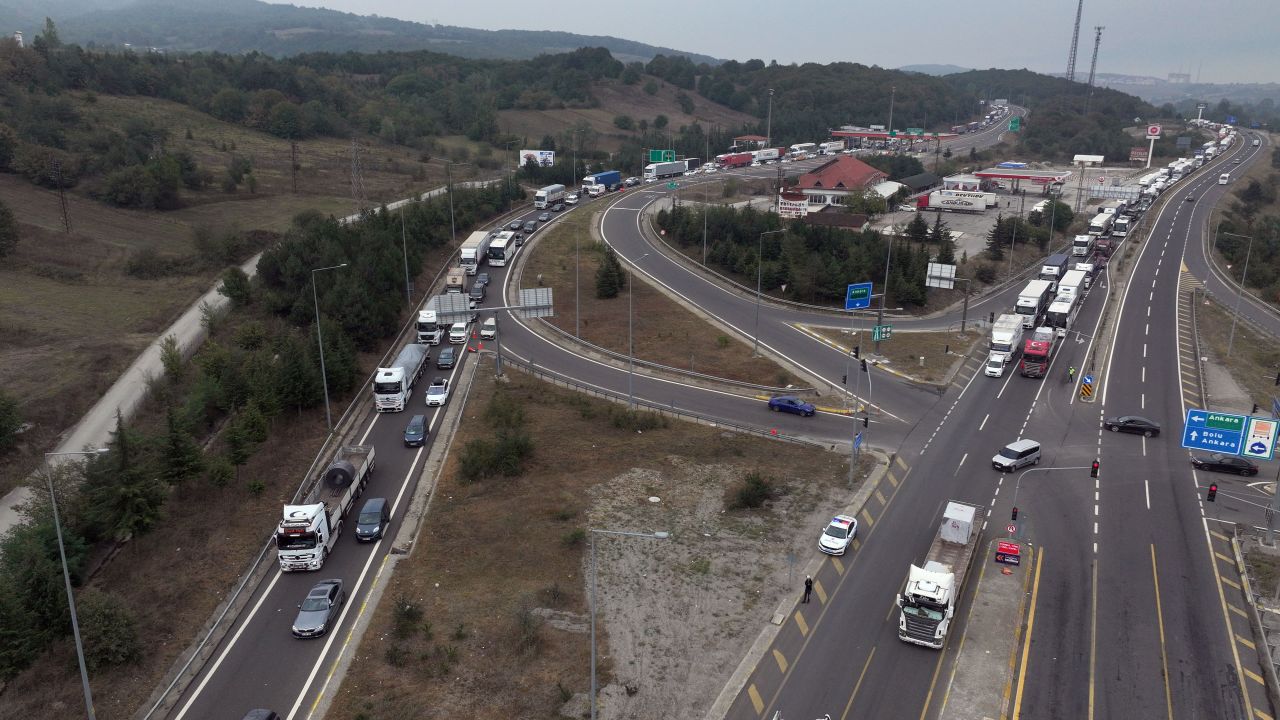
319, 611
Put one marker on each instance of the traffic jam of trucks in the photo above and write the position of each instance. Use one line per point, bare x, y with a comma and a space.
307, 532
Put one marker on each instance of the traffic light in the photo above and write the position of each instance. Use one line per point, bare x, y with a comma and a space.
1093, 471
1213, 492
1278, 378
1254, 411
1015, 513
857, 353
864, 365
866, 421
992, 319
844, 379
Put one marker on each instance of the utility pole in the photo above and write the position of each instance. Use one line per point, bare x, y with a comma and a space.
768, 128
293, 165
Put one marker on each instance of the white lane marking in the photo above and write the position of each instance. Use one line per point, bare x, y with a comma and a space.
1144, 350
984, 422
1144, 373
1146, 486
961, 464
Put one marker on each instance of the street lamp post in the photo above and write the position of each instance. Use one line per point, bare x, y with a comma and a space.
755, 349
448, 183
1235, 314
631, 343
660, 535
893, 90
768, 128
404, 247
66, 577
315, 298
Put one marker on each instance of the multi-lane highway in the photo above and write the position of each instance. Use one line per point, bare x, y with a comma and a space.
1109, 546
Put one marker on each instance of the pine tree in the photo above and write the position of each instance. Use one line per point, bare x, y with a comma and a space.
996, 240
940, 235
609, 276
918, 229
182, 456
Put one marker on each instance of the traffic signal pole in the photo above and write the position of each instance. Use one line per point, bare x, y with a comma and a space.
1272, 510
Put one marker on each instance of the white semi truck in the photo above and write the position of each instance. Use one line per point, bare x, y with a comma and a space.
307, 533
474, 251
393, 386
1033, 300
429, 330
928, 602
1006, 339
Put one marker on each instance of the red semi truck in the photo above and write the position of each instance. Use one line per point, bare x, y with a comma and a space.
735, 160
1038, 353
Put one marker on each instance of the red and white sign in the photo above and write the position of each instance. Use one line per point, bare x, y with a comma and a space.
1153, 132
1008, 553
1102, 179
1011, 528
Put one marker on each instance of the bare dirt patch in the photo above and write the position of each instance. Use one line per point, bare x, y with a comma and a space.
1254, 359
675, 615
665, 331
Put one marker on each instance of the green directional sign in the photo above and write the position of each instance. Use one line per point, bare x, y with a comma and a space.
881, 332
1015, 123
915, 131
657, 156
893, 133
672, 186
1222, 421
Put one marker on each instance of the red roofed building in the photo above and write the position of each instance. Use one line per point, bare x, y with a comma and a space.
838, 178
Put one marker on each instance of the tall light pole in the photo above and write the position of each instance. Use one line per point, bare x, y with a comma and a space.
631, 342
448, 183
315, 297
893, 90
404, 247
660, 535
1235, 314
66, 576
768, 128
755, 349
705, 199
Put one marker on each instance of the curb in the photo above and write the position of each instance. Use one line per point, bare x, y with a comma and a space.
738, 680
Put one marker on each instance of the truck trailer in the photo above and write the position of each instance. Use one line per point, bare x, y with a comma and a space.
1006, 340
1037, 354
602, 182
473, 251
928, 602
658, 171
735, 160
307, 533
1032, 302
1101, 224
548, 196
1053, 268
393, 386
955, 201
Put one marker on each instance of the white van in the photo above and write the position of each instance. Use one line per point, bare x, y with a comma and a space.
458, 333
1224, 178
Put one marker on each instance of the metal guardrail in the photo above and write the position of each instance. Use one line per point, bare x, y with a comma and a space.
671, 409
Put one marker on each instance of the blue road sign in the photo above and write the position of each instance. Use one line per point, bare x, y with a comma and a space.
857, 440
857, 296
1088, 380
1214, 431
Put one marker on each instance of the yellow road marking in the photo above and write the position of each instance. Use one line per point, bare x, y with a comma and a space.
1164, 655
1230, 582
898, 459
1254, 676
1261, 715
857, 685
1224, 558
866, 517
856, 543
756, 701
1237, 610
1226, 620
839, 566
800, 623
1026, 641
880, 497
778, 657
1246, 642
822, 594
892, 480
1220, 536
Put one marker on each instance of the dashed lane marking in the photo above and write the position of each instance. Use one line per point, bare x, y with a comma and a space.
1224, 558
900, 462
756, 701
1254, 676
892, 480
1238, 611
1220, 536
779, 657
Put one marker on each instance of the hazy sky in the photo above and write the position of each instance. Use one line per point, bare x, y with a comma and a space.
1222, 41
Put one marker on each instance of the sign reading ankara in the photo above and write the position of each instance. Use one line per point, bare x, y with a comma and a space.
857, 296
1214, 431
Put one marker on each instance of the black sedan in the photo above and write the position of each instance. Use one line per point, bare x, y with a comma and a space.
1217, 462
514, 225
1132, 424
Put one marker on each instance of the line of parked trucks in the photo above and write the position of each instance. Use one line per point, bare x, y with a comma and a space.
1045, 309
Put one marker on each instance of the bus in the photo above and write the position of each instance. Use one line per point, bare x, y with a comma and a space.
805, 149
502, 249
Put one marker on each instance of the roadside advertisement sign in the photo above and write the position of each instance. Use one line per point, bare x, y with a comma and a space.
1138, 155
543, 158
1153, 132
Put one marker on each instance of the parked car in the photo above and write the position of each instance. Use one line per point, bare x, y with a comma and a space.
373, 519
792, 405
261, 714
446, 359
558, 207
438, 392
544, 217
318, 612
482, 279
1217, 462
513, 225
415, 433
1132, 424
838, 534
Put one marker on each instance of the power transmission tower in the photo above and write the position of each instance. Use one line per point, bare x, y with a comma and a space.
55, 167
357, 177
1093, 67
1075, 42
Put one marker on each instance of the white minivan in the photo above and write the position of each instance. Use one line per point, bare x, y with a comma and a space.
458, 333
1224, 178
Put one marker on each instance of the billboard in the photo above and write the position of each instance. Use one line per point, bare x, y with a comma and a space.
793, 205
544, 158
1137, 154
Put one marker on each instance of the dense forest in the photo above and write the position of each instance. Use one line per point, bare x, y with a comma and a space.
1249, 234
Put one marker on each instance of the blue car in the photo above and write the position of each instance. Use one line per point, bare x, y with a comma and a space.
792, 405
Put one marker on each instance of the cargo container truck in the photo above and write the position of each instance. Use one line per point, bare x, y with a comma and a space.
473, 251
1037, 353
1082, 245
658, 171
393, 386
1032, 302
548, 196
602, 182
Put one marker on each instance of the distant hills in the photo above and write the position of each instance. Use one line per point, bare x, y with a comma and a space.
237, 26
1157, 91
938, 70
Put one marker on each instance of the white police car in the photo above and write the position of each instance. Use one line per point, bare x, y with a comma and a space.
836, 538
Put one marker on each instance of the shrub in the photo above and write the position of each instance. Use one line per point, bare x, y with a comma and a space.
10, 422
528, 628
754, 492
405, 617
574, 538
110, 634
985, 273
637, 420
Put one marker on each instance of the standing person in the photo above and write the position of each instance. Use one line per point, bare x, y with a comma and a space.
808, 587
